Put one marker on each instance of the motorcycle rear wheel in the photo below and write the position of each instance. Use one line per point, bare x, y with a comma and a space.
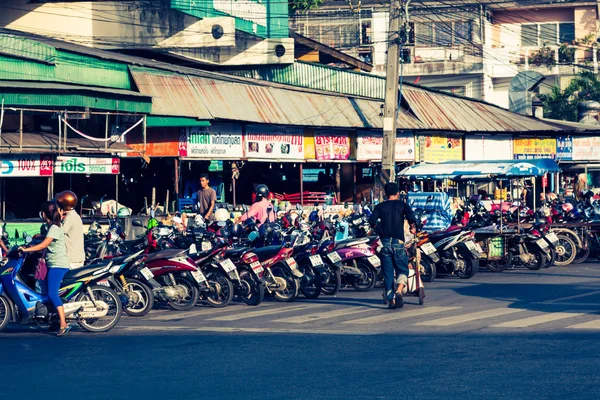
583, 254
222, 287
471, 264
566, 251
501, 264
143, 297
369, 277
550, 257
253, 291
310, 283
292, 284
190, 300
428, 270
5, 312
540, 260
331, 286
115, 309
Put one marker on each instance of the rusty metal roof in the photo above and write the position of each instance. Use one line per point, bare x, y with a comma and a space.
172, 94
447, 112
371, 112
48, 143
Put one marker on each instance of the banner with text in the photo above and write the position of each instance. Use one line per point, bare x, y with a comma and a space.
586, 148
26, 165
272, 143
332, 146
532, 148
438, 149
487, 147
564, 148
212, 142
87, 165
369, 146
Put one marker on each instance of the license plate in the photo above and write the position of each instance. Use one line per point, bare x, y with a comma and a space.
198, 276
471, 245
292, 263
206, 245
316, 261
193, 249
552, 237
375, 261
257, 267
146, 273
228, 265
542, 243
428, 248
104, 282
334, 257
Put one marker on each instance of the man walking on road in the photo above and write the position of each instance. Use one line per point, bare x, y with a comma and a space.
206, 198
388, 220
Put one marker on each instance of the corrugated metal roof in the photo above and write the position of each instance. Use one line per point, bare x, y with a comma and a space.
371, 111
28, 49
48, 143
446, 112
171, 94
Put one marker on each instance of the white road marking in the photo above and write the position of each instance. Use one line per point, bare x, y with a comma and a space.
325, 315
595, 324
458, 319
537, 320
389, 315
198, 312
260, 313
578, 296
221, 329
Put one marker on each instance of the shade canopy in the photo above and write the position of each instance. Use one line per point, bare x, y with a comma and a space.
474, 170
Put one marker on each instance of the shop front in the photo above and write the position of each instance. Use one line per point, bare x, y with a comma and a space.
579, 159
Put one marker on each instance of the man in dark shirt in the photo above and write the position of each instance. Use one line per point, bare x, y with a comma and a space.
206, 198
388, 220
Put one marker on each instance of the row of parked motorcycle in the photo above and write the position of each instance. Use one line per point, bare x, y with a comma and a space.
299, 254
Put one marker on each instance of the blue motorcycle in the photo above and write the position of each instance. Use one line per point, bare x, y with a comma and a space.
86, 294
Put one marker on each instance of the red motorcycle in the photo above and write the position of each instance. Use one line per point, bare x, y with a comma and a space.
281, 274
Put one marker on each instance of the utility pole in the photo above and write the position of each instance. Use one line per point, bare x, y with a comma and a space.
397, 36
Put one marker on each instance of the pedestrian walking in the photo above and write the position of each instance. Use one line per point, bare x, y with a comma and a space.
207, 198
388, 219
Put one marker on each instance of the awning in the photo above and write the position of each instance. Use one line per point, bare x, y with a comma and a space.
48, 143
480, 170
161, 122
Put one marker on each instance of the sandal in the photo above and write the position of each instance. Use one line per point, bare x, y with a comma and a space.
63, 331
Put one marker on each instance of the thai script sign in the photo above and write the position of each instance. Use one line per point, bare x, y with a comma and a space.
87, 165
26, 165
487, 147
564, 148
586, 148
531, 148
213, 142
440, 148
369, 146
274, 143
332, 146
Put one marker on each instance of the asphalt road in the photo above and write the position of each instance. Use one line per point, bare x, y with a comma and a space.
517, 334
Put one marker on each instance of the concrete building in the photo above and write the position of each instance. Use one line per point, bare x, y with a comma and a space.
218, 32
472, 48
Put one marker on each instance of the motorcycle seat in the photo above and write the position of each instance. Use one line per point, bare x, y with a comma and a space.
264, 253
78, 273
135, 245
350, 242
164, 254
437, 235
236, 252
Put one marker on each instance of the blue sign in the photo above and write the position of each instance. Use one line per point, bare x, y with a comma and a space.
564, 148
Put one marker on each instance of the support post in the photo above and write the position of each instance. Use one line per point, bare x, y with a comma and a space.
354, 184
390, 111
301, 185
176, 165
106, 127
117, 190
65, 133
144, 133
21, 130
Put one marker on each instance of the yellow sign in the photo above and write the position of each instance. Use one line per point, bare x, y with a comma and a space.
440, 148
309, 144
535, 147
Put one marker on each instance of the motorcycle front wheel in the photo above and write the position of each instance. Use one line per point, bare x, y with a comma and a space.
112, 317
252, 291
310, 283
331, 280
368, 279
292, 288
566, 251
5, 312
140, 298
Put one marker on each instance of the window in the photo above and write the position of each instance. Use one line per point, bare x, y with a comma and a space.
552, 34
425, 34
443, 33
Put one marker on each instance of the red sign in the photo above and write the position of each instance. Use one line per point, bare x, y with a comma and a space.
46, 165
116, 166
183, 143
545, 181
332, 146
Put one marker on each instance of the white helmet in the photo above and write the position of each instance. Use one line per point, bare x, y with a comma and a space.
199, 221
221, 216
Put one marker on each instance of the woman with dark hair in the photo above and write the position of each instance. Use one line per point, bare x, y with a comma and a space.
56, 258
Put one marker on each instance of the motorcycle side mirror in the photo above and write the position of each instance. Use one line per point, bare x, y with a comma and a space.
346, 205
16, 234
28, 239
138, 223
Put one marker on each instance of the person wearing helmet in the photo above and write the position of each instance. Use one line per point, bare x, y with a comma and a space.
73, 227
259, 210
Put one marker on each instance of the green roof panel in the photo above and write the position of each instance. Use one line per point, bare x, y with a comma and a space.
159, 122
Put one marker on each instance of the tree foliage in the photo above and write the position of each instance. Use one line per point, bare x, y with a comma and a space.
297, 6
562, 104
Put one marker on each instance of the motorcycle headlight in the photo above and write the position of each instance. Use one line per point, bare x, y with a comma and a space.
114, 269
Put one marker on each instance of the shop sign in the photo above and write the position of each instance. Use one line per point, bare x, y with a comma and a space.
217, 141
332, 146
26, 165
586, 148
564, 148
530, 148
486, 147
274, 143
160, 142
87, 165
369, 146
438, 149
